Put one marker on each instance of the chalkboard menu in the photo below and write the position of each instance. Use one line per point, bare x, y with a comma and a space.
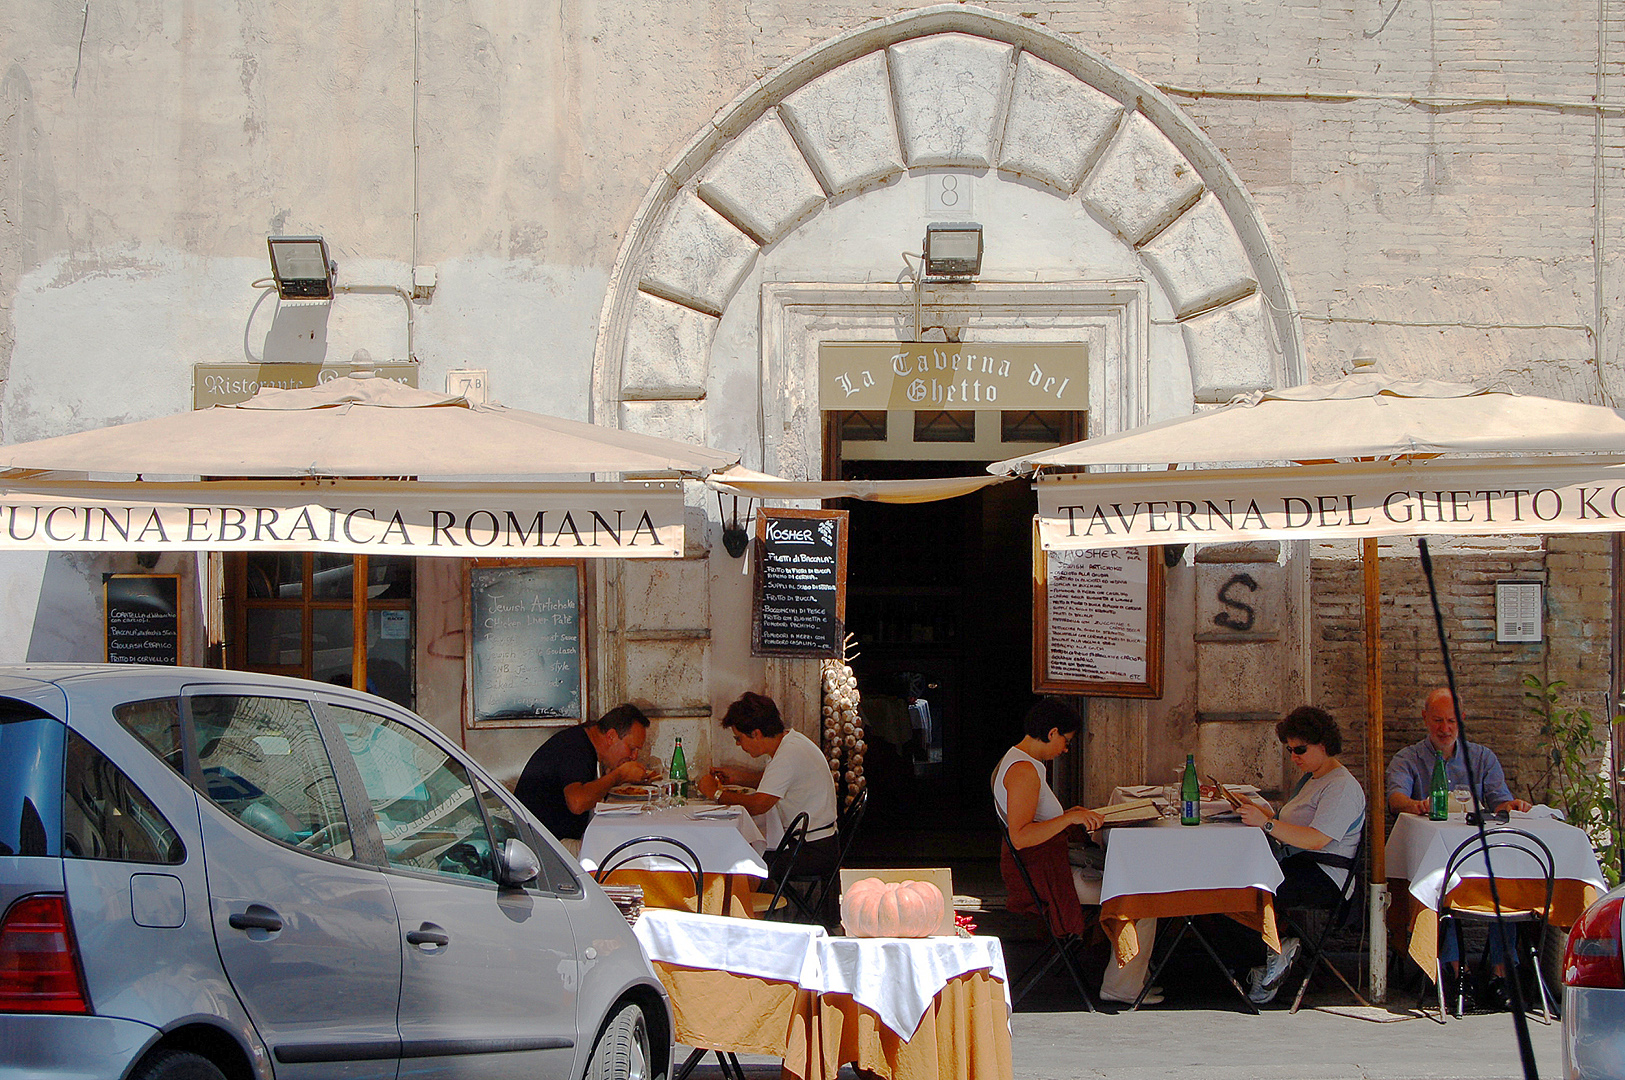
799, 603
143, 618
526, 665
1097, 621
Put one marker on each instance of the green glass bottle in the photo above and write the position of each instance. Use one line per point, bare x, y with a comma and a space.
1439, 796
1190, 794
679, 770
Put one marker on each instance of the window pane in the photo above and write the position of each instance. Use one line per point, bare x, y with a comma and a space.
953, 426
332, 645
333, 577
264, 763
156, 723
276, 576
428, 814
1042, 426
863, 426
105, 816
30, 780
389, 577
276, 637
389, 655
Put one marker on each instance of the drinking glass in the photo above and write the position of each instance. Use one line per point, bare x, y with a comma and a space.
1461, 799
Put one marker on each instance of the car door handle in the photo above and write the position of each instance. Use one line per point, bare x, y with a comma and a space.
428, 934
257, 917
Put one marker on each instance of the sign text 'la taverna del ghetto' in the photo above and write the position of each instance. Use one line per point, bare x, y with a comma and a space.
873, 375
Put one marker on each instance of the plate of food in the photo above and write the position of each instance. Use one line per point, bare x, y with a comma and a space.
633, 791
737, 789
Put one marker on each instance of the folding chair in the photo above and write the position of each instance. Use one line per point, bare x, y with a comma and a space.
816, 890
654, 847
1522, 849
785, 899
1337, 916
1061, 949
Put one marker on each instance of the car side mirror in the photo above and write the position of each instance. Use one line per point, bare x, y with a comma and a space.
517, 864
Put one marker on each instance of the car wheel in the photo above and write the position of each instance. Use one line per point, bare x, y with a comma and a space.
622, 1052
177, 1065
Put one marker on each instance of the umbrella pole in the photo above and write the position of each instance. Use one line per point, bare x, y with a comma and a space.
1376, 814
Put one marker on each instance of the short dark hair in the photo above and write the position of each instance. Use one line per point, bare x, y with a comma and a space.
754, 714
1050, 713
621, 718
1313, 726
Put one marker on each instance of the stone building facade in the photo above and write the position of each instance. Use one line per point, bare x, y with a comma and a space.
653, 222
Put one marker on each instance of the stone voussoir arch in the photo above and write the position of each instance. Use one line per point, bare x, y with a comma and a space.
946, 86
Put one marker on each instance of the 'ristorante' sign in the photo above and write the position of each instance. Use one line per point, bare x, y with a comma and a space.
553, 521
1475, 498
873, 375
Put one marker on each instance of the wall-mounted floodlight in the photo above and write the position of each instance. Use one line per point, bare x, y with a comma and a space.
953, 249
301, 267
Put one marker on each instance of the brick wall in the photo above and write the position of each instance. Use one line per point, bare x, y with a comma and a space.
1489, 675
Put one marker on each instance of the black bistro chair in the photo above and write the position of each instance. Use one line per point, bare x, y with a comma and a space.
1520, 852
815, 893
1062, 949
785, 900
1336, 916
654, 847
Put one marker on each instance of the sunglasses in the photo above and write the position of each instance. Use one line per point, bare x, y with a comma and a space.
1298, 751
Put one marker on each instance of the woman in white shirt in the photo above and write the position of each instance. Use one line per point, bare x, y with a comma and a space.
1034, 816
1325, 812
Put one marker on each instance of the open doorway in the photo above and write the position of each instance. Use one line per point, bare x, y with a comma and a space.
939, 600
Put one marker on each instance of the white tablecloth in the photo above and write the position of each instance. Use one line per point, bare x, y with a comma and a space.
725, 845
1419, 847
1165, 857
897, 978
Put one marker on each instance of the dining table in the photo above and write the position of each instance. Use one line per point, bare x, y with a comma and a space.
1419, 848
900, 1008
726, 840
1164, 870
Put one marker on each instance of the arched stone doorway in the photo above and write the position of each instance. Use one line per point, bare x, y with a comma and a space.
1110, 217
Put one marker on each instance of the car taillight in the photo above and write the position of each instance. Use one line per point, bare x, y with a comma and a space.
39, 972
1592, 956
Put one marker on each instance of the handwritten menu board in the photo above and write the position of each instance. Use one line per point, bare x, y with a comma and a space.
1097, 621
143, 618
799, 602
525, 659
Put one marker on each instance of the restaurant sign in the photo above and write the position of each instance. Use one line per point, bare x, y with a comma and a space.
228, 384
871, 375
628, 520
1485, 497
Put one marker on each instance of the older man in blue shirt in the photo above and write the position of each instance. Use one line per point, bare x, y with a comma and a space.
1410, 774
1410, 780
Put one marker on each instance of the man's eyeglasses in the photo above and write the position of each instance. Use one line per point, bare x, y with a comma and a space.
1297, 751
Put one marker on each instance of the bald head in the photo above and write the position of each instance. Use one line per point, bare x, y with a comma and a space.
1439, 717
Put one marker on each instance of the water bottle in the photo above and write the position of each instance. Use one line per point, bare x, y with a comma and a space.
679, 770
1190, 794
1439, 796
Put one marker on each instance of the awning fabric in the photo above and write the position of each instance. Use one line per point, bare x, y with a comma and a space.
596, 520
1313, 502
741, 481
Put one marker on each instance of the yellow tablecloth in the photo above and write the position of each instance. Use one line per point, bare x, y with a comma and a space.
1569, 901
965, 1034
1253, 908
725, 894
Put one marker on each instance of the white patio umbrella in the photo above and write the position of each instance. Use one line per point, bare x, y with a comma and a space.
353, 465
1362, 457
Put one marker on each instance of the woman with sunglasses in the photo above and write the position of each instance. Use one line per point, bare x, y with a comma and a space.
1325, 813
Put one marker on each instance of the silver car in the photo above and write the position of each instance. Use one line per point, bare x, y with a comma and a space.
208, 874
1594, 993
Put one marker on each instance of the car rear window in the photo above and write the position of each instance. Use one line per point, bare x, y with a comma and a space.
157, 723
105, 816
30, 780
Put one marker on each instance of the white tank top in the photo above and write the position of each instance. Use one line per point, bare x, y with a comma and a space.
1048, 805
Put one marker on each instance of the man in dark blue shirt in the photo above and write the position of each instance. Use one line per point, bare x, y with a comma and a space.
562, 782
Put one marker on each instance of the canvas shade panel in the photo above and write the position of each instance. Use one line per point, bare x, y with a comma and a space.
1343, 501
603, 520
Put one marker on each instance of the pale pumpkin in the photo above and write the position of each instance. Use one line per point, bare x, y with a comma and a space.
907, 909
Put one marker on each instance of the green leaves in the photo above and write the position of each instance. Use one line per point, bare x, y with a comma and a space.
1576, 779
